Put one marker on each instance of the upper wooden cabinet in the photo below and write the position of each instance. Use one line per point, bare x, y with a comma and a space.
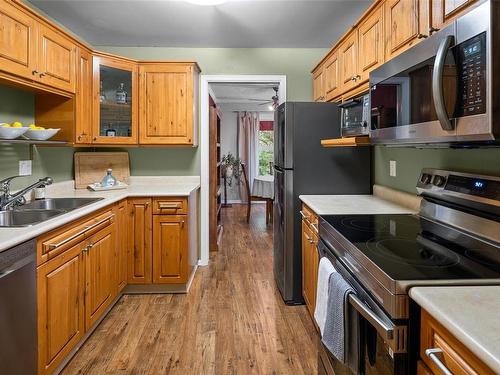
168, 100
332, 76
318, 85
371, 34
34, 51
115, 103
406, 23
56, 59
445, 11
83, 120
348, 55
17, 41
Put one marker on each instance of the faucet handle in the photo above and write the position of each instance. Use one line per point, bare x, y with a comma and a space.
5, 183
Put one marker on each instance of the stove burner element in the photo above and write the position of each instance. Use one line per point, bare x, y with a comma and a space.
364, 224
407, 251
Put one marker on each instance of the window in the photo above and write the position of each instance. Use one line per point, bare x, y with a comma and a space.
266, 152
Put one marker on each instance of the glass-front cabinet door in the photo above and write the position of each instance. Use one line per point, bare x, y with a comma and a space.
115, 99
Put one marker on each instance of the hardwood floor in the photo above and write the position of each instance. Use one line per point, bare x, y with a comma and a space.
233, 320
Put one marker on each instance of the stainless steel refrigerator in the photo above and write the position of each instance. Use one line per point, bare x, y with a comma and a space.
303, 166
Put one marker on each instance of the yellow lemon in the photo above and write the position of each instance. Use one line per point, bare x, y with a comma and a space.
32, 126
17, 124
5, 125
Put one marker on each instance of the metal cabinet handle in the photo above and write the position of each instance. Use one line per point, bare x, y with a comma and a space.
42, 75
433, 355
169, 206
386, 330
421, 36
309, 239
34, 72
437, 83
85, 229
432, 30
304, 215
314, 227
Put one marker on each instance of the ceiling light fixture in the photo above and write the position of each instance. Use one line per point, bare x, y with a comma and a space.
207, 2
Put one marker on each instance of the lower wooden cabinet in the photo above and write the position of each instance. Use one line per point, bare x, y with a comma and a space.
310, 259
61, 317
446, 349
170, 261
122, 242
140, 260
100, 273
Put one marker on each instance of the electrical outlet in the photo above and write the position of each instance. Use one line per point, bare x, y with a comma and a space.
24, 167
392, 168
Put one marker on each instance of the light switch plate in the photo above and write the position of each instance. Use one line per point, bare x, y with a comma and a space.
24, 167
392, 168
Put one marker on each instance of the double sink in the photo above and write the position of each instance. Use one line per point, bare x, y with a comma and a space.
40, 210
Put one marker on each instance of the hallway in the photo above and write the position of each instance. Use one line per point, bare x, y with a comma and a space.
233, 320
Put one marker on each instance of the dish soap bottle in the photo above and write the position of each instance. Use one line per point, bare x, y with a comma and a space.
108, 180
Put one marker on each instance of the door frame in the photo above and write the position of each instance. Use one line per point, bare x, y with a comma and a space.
205, 81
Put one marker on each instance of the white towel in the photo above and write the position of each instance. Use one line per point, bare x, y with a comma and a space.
324, 272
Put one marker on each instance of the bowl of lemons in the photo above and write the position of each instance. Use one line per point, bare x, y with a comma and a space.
39, 133
12, 131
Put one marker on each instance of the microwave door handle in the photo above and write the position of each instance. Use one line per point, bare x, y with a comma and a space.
437, 83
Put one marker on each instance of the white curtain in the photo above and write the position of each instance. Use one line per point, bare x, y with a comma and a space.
248, 138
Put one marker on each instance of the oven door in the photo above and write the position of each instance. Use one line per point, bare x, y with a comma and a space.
382, 342
436, 92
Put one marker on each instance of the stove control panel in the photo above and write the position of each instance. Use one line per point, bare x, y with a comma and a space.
436, 182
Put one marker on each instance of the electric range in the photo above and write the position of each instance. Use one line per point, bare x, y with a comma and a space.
453, 240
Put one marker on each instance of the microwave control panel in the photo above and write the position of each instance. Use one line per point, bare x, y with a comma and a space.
471, 66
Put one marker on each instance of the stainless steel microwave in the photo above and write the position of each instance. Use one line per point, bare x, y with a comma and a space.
445, 89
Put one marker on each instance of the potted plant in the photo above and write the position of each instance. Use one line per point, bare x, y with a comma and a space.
231, 168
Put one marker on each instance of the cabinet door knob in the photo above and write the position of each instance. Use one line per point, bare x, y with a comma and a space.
95, 138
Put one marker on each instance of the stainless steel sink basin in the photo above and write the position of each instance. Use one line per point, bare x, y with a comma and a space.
24, 218
66, 204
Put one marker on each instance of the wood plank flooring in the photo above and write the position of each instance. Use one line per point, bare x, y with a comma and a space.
233, 321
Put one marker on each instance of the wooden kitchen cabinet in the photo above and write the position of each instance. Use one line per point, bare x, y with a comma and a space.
453, 354
348, 55
170, 246
61, 318
56, 59
122, 243
371, 34
83, 121
168, 94
100, 288
406, 23
140, 243
17, 46
319, 94
445, 11
310, 258
115, 101
332, 76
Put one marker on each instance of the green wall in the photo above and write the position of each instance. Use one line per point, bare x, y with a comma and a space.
410, 162
16, 105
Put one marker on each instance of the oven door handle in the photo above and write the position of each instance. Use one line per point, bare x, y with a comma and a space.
384, 329
437, 83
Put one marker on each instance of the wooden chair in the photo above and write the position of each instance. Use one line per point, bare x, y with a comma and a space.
252, 198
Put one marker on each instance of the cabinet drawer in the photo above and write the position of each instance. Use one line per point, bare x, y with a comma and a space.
310, 218
438, 345
170, 206
62, 239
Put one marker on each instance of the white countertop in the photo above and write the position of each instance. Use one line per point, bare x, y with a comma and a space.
351, 205
470, 313
146, 186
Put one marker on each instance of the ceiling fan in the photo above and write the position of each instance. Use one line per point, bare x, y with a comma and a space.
275, 100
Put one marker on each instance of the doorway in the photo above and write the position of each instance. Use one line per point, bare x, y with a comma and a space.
243, 98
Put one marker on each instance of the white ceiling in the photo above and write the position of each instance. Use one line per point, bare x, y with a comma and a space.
177, 23
243, 93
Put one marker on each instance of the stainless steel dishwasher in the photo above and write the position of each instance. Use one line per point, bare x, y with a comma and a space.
18, 343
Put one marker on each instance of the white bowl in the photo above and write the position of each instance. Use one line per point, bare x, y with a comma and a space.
40, 135
11, 133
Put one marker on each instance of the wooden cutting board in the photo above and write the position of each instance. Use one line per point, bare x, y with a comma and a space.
91, 167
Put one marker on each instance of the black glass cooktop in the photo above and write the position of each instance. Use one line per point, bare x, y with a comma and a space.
408, 247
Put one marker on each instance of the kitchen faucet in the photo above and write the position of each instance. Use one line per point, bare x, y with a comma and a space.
8, 200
